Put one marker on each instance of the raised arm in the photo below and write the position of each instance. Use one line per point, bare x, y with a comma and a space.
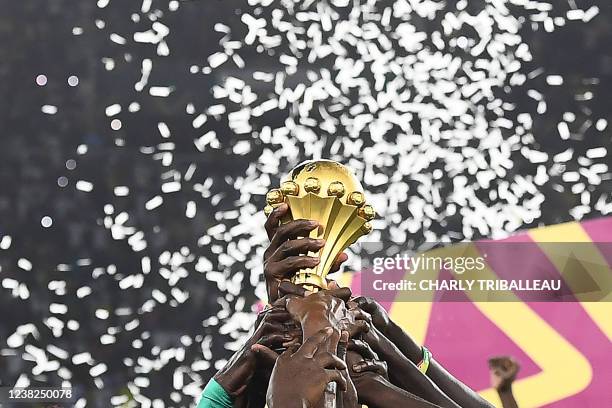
373, 387
404, 373
273, 329
300, 375
503, 373
460, 393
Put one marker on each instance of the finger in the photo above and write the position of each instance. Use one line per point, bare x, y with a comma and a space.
372, 337
293, 344
360, 367
336, 376
293, 348
273, 341
329, 360
278, 314
312, 344
289, 266
360, 326
280, 317
268, 327
362, 348
264, 353
366, 303
276, 334
496, 361
293, 330
273, 221
511, 363
343, 344
291, 230
272, 313
264, 313
292, 334
341, 293
289, 288
378, 367
297, 247
352, 357
331, 344
359, 314
340, 259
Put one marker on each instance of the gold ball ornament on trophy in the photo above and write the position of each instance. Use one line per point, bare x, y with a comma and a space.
328, 192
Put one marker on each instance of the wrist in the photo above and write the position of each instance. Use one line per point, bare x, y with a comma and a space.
235, 376
229, 383
365, 387
215, 395
388, 328
505, 390
369, 388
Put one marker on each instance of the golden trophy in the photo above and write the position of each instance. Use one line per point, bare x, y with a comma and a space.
328, 192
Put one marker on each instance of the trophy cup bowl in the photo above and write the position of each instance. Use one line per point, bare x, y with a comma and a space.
328, 192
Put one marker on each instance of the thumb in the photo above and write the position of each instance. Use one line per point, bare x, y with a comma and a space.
264, 353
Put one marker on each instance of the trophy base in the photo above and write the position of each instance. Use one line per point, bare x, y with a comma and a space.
310, 281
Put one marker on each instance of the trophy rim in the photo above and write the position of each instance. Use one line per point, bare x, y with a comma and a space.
325, 174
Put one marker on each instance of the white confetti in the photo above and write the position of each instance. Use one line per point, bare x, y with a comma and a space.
49, 109
83, 185
154, 203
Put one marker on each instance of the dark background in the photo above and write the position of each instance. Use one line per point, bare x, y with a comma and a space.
41, 162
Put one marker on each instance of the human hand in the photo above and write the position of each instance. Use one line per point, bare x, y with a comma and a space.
274, 329
312, 366
362, 360
378, 314
363, 366
318, 310
367, 374
503, 372
282, 257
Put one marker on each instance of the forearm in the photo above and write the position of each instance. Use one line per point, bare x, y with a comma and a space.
405, 374
234, 377
379, 393
256, 394
507, 399
411, 379
455, 389
403, 342
451, 386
